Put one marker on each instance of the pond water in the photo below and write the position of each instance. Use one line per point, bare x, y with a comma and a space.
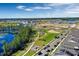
6, 38
72, 20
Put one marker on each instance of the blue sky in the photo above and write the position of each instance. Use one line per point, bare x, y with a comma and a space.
37, 10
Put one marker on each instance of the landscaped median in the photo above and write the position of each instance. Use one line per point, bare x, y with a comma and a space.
41, 42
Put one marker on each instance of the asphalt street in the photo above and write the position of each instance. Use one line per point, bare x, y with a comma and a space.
51, 46
70, 47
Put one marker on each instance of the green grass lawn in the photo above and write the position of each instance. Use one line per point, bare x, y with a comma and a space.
49, 37
18, 53
45, 39
30, 53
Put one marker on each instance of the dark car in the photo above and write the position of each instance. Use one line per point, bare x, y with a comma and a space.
39, 53
46, 55
48, 50
46, 47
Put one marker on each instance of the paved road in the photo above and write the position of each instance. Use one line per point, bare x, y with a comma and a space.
51, 46
70, 46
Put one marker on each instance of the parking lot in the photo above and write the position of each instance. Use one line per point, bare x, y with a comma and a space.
70, 47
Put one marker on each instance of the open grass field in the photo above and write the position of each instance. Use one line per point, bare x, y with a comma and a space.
30, 53
42, 41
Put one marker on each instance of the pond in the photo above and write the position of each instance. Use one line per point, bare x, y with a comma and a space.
6, 38
72, 20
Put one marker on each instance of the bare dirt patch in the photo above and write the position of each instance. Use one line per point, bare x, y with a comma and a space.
53, 31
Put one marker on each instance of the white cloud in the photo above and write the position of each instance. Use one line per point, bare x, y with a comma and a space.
38, 7
20, 7
55, 4
33, 8
28, 9
72, 9
24, 8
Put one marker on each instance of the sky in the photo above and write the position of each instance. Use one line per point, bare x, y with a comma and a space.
38, 10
